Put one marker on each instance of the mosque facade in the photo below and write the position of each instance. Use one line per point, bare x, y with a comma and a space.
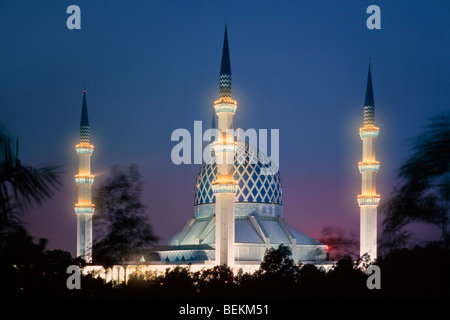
238, 204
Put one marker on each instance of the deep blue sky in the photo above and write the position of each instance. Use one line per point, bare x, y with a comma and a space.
151, 67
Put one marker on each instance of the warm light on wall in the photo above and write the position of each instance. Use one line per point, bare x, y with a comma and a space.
360, 196
84, 144
362, 163
225, 100
369, 127
224, 180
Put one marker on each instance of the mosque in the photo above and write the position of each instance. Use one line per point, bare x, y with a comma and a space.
258, 216
238, 208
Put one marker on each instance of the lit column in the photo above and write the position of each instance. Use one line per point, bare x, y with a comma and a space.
368, 200
84, 209
225, 187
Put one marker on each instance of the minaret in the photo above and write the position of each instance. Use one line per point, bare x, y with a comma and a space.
225, 187
368, 200
84, 209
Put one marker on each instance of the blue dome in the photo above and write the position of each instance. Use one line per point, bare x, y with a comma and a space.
254, 187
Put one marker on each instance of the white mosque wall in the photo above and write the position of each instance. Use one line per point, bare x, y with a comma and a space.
122, 273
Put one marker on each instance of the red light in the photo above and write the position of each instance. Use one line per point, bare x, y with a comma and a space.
327, 248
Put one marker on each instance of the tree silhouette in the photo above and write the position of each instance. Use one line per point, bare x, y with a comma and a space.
311, 280
424, 192
20, 187
19, 248
121, 229
278, 262
347, 280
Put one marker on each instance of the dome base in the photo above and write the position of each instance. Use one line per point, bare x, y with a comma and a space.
242, 209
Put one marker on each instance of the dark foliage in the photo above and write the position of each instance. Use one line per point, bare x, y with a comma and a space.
21, 186
407, 273
120, 222
420, 272
423, 194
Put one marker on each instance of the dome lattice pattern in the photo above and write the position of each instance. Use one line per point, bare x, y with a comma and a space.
253, 186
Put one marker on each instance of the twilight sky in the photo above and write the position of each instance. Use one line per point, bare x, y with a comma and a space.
151, 67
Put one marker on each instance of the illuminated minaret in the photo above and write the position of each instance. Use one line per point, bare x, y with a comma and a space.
368, 200
84, 209
225, 187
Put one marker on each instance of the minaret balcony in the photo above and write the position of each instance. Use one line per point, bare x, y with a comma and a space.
84, 208
225, 105
369, 200
226, 147
84, 148
369, 166
79, 179
369, 131
224, 185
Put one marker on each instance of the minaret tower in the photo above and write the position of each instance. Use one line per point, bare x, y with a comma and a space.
225, 187
84, 209
368, 200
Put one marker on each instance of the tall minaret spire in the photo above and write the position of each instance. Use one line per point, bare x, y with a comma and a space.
225, 187
368, 200
369, 103
84, 122
84, 209
225, 69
